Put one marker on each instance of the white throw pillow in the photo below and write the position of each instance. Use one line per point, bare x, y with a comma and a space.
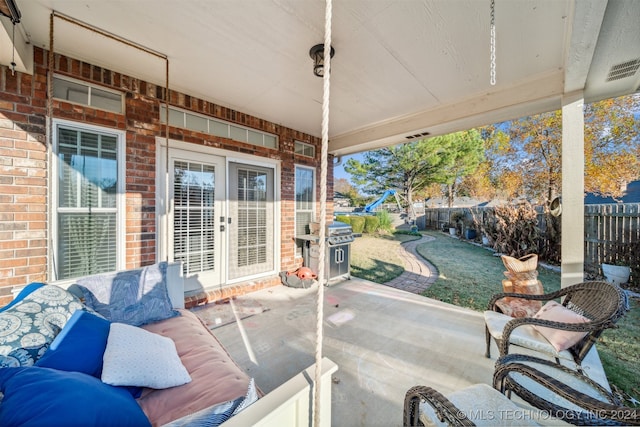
135, 357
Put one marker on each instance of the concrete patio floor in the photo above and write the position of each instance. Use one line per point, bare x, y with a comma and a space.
384, 341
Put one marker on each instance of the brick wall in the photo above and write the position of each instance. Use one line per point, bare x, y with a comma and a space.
24, 166
23, 180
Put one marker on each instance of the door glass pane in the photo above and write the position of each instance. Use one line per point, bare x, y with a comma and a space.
194, 216
251, 210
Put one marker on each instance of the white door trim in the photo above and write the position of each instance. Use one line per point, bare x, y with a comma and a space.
162, 179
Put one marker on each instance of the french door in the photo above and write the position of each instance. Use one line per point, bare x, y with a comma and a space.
251, 220
197, 189
217, 216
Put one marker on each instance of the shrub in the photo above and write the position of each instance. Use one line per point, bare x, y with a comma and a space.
344, 218
516, 230
371, 224
357, 224
384, 221
408, 232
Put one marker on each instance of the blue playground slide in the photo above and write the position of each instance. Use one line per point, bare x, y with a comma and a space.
371, 206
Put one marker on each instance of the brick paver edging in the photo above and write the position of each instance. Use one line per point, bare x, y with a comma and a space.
418, 273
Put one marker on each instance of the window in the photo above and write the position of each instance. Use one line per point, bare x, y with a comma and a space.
305, 201
87, 205
305, 149
199, 123
85, 94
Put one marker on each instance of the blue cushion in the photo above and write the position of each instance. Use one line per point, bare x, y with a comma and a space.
133, 297
79, 346
23, 293
35, 396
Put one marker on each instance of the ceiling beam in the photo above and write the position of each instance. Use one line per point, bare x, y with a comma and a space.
537, 96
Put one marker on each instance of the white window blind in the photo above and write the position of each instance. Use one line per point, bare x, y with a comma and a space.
194, 216
252, 213
305, 192
87, 188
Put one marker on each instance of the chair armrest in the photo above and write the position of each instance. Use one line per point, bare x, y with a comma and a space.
533, 297
444, 409
593, 411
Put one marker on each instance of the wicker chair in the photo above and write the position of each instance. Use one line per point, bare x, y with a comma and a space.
560, 392
551, 400
479, 404
445, 410
601, 303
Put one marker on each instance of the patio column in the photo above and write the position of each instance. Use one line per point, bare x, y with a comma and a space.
572, 252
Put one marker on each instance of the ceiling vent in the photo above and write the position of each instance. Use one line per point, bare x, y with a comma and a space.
626, 69
417, 135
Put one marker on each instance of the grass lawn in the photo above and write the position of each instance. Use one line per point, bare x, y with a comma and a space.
376, 258
470, 275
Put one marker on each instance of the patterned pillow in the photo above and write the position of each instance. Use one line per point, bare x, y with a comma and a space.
133, 297
29, 326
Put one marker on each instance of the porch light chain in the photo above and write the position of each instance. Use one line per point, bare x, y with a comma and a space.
492, 43
13, 49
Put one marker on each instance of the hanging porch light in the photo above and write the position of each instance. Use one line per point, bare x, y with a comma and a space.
317, 54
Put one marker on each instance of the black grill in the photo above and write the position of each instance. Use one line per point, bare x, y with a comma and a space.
338, 238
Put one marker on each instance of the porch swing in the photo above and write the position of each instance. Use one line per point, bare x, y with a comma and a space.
322, 58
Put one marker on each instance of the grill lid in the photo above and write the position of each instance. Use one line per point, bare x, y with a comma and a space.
337, 228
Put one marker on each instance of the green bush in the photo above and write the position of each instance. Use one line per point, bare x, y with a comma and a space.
408, 232
384, 220
371, 224
344, 218
357, 224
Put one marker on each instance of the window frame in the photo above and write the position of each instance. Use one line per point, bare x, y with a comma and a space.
299, 243
300, 148
90, 88
120, 209
213, 121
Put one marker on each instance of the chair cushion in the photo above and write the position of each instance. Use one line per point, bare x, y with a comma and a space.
560, 339
484, 406
524, 336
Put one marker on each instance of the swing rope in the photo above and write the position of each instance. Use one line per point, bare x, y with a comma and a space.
323, 209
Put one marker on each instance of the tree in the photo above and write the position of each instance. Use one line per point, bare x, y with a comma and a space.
406, 168
410, 168
612, 145
346, 189
467, 151
526, 153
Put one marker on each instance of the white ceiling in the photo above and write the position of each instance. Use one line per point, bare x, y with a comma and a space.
401, 67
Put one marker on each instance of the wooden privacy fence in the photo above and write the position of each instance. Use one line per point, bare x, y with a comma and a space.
612, 235
612, 232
